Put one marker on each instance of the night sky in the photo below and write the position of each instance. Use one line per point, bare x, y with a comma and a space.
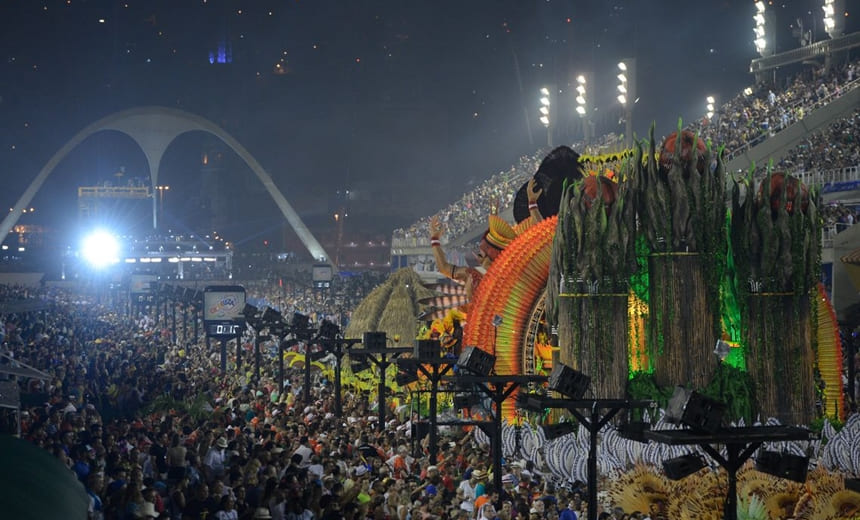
405, 103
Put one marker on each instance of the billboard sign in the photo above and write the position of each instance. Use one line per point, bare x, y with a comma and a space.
141, 283
223, 303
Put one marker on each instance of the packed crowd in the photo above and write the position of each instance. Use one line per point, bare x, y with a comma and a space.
153, 430
742, 122
760, 112
837, 218
490, 196
834, 148
291, 292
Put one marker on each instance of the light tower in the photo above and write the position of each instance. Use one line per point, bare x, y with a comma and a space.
834, 19
762, 17
582, 105
545, 104
627, 95
709, 106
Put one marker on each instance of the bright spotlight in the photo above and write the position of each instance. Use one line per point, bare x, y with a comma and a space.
100, 249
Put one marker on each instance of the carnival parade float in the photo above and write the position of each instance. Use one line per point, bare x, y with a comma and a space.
659, 270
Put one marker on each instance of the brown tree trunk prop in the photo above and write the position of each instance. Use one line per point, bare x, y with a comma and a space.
681, 331
779, 356
593, 339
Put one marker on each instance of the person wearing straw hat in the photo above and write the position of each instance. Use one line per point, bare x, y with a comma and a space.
213, 462
468, 487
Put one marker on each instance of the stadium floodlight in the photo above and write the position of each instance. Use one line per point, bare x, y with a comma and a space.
622, 83
709, 105
834, 25
581, 97
544, 109
100, 249
760, 29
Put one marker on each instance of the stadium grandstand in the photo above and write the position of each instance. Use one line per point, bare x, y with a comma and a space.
809, 128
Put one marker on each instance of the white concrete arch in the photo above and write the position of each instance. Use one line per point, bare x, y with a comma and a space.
153, 129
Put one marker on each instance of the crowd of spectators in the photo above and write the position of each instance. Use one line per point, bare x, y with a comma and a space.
746, 120
153, 429
822, 155
837, 217
291, 291
491, 196
764, 110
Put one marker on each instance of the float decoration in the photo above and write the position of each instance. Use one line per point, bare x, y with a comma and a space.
682, 215
776, 247
593, 255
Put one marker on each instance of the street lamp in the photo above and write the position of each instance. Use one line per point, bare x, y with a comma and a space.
544, 111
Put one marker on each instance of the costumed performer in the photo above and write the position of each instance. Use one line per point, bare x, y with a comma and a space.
495, 239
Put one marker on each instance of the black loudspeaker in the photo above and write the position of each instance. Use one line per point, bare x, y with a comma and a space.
634, 431
466, 400
477, 361
683, 466
703, 413
488, 428
359, 363
405, 378
695, 410
782, 465
554, 431
420, 430
374, 340
530, 402
427, 349
568, 381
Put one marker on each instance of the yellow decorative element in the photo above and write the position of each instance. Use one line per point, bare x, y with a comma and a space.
830, 357
523, 226
544, 351
500, 234
637, 314
639, 489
